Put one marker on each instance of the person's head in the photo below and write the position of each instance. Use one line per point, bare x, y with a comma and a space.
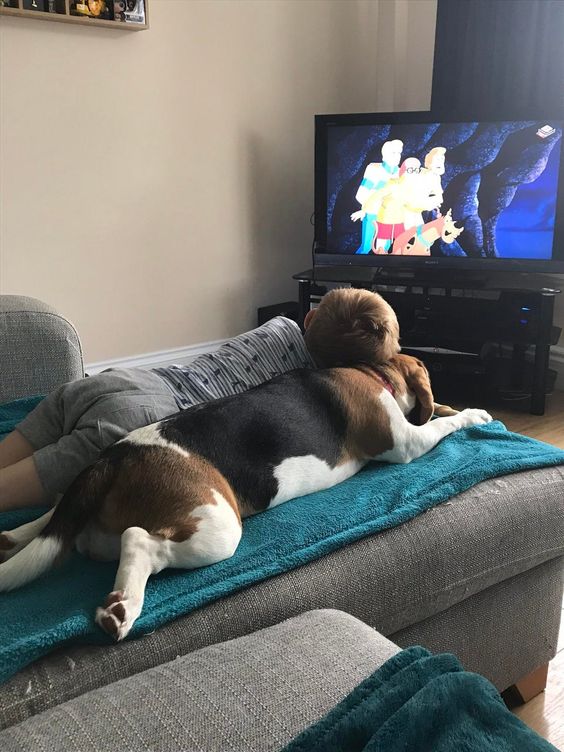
352, 327
96, 7
391, 152
410, 166
435, 160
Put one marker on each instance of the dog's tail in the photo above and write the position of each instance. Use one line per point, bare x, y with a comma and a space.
76, 508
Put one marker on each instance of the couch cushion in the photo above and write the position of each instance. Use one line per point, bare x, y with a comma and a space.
391, 580
254, 693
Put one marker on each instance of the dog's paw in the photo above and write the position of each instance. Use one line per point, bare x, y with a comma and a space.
117, 615
7, 547
473, 417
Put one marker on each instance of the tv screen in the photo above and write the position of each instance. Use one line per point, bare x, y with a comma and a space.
404, 189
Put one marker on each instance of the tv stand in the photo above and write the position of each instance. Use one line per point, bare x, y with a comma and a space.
455, 325
429, 278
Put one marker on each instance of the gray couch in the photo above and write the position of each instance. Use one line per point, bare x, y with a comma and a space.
479, 576
39, 348
253, 694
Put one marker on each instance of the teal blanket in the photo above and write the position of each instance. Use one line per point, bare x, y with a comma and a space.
60, 606
12, 412
417, 701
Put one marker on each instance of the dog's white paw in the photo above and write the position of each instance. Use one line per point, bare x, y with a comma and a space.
117, 615
473, 417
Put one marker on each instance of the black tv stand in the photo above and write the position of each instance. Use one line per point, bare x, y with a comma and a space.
429, 278
452, 324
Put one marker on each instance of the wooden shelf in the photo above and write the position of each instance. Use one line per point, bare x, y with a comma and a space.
38, 15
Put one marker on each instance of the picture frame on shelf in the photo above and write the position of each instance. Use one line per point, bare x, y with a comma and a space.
100, 9
129, 11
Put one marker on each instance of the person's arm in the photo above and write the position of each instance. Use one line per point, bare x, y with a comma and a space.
373, 181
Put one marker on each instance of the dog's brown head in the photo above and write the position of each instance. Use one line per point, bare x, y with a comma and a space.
352, 327
416, 378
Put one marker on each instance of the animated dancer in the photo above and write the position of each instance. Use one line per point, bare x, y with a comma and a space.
434, 168
401, 204
370, 193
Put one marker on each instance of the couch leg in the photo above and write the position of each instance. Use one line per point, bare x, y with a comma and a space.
529, 686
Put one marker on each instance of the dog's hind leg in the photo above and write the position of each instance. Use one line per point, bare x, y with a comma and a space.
142, 555
214, 536
12, 541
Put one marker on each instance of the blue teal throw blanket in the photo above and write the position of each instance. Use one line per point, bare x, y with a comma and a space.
417, 701
12, 412
60, 606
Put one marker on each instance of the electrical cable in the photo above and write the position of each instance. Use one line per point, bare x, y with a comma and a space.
312, 223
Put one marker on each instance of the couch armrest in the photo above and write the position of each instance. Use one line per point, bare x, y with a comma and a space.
39, 348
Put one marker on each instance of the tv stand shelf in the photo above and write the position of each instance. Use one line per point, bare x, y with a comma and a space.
452, 323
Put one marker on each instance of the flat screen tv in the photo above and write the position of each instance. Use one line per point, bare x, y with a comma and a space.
403, 189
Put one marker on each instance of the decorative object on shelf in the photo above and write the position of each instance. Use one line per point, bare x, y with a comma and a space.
92, 9
130, 11
34, 5
132, 15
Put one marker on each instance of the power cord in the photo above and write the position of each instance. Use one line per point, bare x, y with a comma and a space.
312, 223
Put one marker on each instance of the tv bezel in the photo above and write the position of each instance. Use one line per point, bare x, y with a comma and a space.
322, 257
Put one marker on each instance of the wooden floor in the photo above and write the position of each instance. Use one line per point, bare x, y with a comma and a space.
544, 713
548, 427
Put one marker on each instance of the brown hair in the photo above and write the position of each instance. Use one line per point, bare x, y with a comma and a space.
352, 327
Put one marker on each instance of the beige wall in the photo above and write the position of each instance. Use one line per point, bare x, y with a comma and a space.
157, 186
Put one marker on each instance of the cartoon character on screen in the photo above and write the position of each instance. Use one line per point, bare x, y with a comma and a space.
370, 193
420, 191
400, 205
389, 208
417, 241
409, 189
426, 194
434, 169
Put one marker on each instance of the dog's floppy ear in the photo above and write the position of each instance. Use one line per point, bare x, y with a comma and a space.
418, 381
444, 411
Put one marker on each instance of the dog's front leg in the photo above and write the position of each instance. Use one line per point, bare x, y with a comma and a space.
411, 442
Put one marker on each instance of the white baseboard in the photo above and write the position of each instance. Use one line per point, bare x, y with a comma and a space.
178, 355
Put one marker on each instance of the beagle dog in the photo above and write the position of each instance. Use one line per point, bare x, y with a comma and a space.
173, 494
